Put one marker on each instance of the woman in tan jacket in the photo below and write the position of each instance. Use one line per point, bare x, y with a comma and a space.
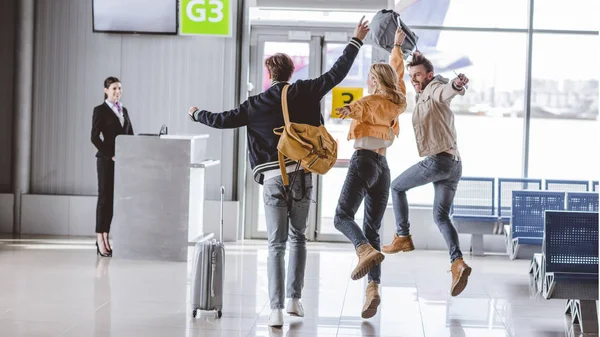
374, 126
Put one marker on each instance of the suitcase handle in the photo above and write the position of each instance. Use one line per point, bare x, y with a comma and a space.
221, 217
212, 276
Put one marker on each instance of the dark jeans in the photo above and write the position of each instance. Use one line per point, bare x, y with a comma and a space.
444, 172
106, 191
369, 179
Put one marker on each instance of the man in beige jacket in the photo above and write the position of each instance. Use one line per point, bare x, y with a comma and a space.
433, 122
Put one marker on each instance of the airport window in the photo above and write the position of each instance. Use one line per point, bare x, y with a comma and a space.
564, 107
562, 15
466, 13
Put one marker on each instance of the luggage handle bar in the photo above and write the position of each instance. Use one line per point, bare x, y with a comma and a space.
222, 224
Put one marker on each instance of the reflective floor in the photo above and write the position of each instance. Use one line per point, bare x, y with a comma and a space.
58, 287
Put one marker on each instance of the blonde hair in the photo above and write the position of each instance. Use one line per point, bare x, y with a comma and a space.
387, 82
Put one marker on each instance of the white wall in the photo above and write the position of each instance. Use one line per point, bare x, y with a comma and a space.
162, 77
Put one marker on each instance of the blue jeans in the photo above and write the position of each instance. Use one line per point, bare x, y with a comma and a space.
280, 226
368, 178
444, 172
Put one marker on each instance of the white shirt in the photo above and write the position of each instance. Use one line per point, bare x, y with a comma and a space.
374, 143
116, 111
277, 172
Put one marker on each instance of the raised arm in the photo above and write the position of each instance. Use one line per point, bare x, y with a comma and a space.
397, 59
321, 85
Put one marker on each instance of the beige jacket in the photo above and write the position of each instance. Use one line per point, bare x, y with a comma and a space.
433, 120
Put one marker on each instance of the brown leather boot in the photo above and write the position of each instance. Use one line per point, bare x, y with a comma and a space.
368, 257
399, 244
460, 276
372, 300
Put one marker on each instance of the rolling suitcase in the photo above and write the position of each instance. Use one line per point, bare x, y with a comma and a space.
383, 31
208, 272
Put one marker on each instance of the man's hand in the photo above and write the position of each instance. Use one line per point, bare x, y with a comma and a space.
344, 111
191, 112
460, 81
400, 36
361, 31
113, 158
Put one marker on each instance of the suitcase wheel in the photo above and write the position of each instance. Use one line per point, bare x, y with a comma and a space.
219, 314
194, 313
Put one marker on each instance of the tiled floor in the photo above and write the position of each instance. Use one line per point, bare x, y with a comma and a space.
54, 287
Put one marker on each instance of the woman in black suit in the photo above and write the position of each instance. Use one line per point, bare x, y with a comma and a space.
110, 119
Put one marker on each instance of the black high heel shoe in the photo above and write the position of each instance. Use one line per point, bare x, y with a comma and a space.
100, 253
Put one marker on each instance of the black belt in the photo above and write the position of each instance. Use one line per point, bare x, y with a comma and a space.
449, 155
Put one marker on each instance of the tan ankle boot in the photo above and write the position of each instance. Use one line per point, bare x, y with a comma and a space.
372, 300
399, 244
368, 257
460, 276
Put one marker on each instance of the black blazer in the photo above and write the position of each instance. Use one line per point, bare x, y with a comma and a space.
105, 122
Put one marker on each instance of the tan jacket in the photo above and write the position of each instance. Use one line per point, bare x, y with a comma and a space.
374, 115
433, 120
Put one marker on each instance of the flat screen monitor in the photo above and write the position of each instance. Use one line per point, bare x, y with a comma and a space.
135, 16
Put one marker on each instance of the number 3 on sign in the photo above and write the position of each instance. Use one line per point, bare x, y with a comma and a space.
342, 96
199, 14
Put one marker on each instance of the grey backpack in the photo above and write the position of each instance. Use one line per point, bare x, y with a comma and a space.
383, 30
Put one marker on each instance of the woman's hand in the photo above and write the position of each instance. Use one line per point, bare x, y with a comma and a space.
400, 36
344, 111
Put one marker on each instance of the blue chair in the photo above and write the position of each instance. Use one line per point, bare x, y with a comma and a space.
473, 211
582, 201
526, 230
505, 188
570, 264
567, 185
595, 186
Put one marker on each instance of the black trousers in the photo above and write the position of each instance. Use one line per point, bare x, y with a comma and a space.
106, 193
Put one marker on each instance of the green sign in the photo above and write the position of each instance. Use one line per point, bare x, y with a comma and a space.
205, 17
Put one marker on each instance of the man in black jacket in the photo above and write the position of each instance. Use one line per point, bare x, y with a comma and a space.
261, 114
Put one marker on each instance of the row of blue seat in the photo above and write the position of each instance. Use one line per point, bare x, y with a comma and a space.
567, 267
475, 196
478, 212
526, 226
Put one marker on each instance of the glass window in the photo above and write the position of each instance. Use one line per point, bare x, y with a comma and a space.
465, 13
306, 15
566, 15
564, 101
488, 119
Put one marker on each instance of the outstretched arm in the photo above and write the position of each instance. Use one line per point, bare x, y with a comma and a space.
223, 120
445, 92
355, 111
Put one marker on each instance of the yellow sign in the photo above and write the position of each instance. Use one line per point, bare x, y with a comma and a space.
342, 96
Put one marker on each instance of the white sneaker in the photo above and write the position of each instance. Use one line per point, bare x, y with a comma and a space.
294, 307
276, 318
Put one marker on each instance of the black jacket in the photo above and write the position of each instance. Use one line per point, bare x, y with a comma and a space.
105, 122
262, 113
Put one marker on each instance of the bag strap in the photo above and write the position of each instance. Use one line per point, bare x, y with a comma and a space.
286, 119
284, 175
284, 105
